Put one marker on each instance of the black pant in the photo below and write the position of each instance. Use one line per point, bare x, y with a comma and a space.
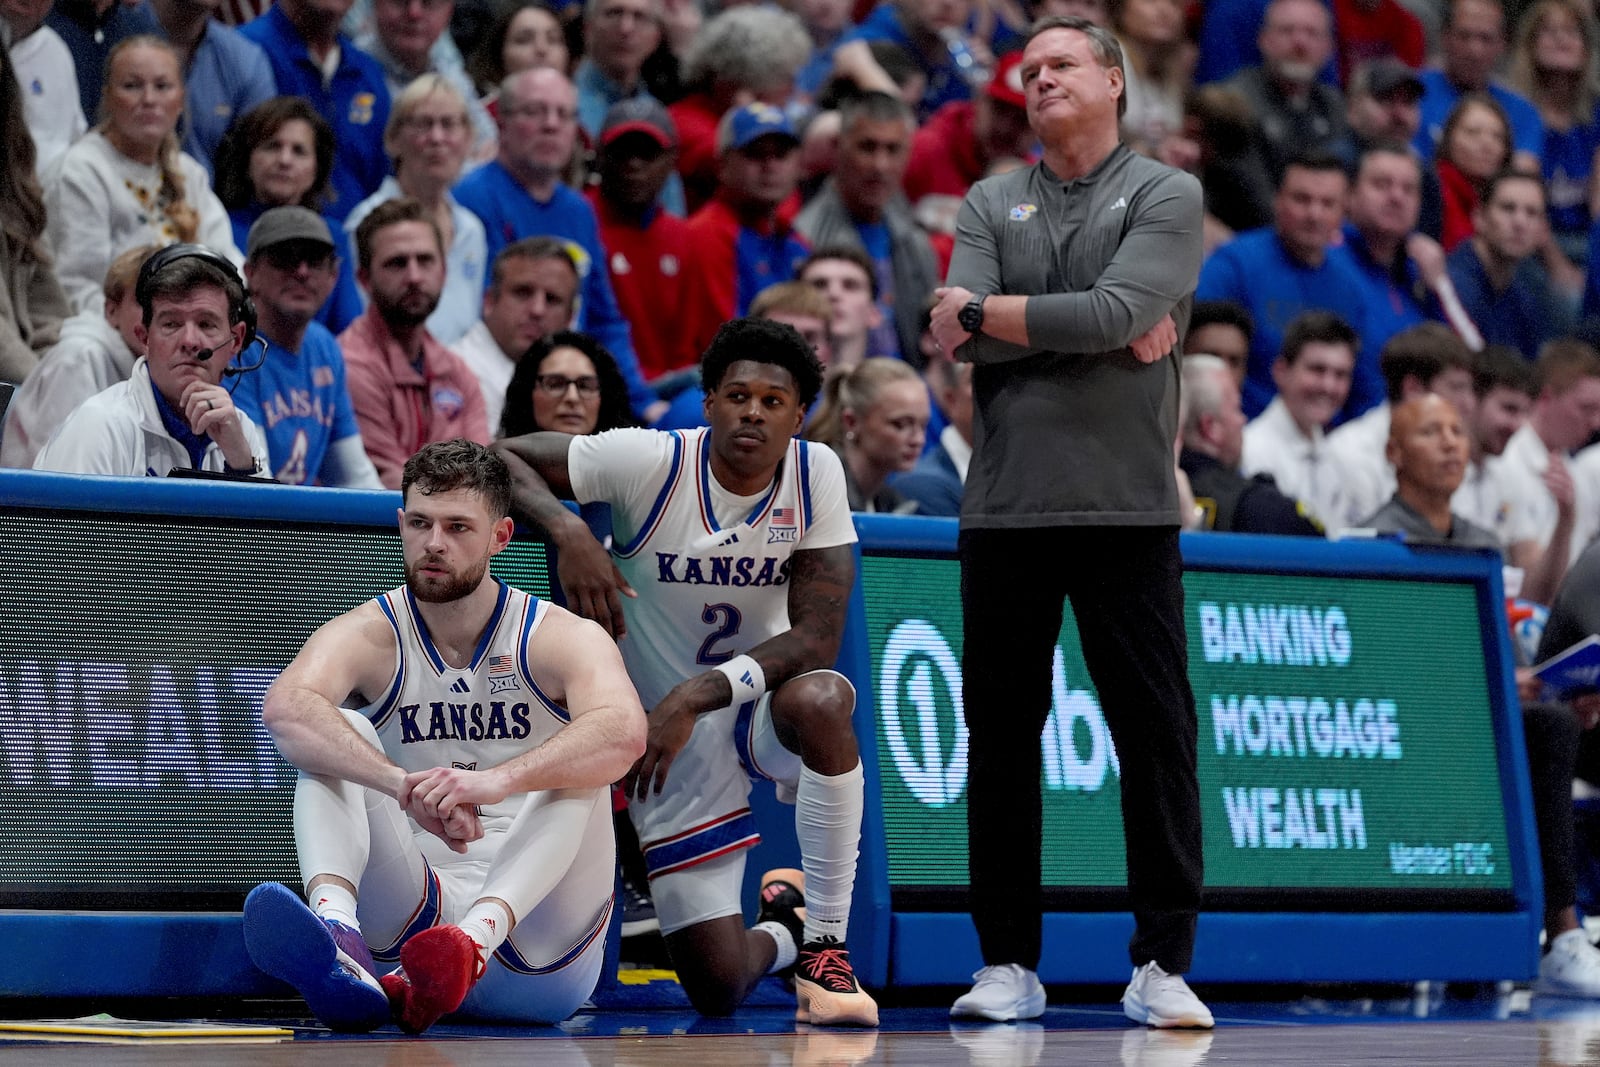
1125, 585
1553, 737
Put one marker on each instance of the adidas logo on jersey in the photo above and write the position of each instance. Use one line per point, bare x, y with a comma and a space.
460, 686
732, 539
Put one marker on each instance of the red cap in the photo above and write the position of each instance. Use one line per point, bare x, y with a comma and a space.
1006, 85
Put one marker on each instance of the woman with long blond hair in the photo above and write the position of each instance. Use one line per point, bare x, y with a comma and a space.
1158, 68
127, 182
31, 303
874, 415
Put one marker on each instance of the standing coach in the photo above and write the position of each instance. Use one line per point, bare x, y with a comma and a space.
1069, 285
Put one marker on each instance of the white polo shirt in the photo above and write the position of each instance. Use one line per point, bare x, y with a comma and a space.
1305, 467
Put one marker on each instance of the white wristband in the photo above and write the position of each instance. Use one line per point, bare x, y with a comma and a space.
746, 677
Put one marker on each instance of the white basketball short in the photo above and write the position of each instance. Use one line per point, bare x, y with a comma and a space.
700, 824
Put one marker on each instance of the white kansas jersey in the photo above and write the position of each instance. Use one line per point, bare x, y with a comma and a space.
711, 568
479, 716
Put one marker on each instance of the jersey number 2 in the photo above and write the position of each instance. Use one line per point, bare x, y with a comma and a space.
726, 619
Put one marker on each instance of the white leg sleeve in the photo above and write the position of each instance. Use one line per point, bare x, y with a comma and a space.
556, 867
545, 841
330, 828
398, 895
330, 819
362, 836
827, 821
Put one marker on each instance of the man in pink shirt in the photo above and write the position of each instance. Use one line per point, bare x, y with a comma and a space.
408, 390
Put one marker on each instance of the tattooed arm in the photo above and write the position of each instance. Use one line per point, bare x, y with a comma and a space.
819, 593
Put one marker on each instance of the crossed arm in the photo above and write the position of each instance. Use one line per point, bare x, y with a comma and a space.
1129, 305
352, 655
578, 666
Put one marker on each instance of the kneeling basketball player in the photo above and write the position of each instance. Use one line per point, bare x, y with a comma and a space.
737, 541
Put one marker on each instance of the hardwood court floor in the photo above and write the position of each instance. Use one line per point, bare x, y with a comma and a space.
1502, 1031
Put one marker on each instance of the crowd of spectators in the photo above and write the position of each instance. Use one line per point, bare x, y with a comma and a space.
1401, 197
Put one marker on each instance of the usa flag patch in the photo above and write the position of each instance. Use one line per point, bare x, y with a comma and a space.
782, 527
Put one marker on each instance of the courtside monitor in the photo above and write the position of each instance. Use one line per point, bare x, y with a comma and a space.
141, 622
1357, 750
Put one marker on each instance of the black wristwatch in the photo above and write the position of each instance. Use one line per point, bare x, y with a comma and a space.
971, 314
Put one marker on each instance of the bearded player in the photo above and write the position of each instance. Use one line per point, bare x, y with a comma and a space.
456, 739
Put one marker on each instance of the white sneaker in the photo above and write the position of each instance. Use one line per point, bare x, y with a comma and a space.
1002, 993
1163, 1000
1571, 968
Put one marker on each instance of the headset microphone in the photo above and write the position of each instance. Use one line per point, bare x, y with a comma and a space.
205, 354
234, 371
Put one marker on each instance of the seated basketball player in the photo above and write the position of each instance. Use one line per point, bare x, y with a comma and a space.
738, 540
456, 739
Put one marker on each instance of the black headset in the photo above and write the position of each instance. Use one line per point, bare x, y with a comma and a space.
166, 257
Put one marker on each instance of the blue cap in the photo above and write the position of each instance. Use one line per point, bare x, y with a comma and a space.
744, 125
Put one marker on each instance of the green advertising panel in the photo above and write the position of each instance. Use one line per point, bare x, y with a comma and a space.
1345, 738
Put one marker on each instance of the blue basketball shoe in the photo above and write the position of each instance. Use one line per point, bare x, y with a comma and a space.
326, 961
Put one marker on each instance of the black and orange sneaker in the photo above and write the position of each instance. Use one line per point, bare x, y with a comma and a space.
783, 901
826, 989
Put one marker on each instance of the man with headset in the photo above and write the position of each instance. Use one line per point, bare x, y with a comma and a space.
173, 412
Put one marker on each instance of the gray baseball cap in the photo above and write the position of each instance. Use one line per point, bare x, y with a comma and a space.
640, 114
282, 224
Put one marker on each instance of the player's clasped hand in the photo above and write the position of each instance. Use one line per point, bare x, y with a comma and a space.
438, 790
669, 732
591, 582
459, 829
443, 801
